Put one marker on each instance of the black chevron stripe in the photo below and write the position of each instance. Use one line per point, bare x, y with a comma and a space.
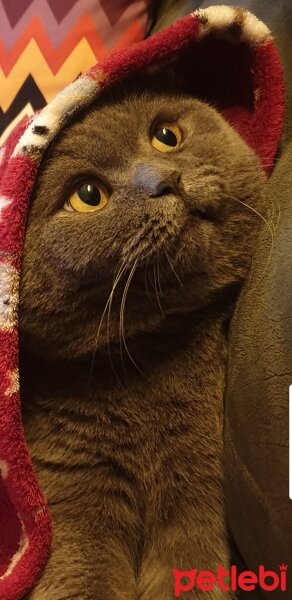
29, 92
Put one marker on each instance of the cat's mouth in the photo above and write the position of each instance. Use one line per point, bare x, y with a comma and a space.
162, 231
199, 208
158, 250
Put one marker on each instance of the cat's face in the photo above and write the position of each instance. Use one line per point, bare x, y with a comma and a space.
142, 198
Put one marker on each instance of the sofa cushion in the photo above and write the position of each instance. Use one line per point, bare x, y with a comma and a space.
45, 45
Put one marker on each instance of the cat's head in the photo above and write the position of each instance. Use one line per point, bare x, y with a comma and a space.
145, 207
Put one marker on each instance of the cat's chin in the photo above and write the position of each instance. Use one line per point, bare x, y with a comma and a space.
145, 311
145, 315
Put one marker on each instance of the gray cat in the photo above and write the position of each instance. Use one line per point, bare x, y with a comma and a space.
139, 236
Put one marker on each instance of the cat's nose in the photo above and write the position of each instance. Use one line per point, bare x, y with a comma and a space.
155, 182
168, 185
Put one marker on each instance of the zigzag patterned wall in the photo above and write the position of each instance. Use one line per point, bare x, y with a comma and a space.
45, 44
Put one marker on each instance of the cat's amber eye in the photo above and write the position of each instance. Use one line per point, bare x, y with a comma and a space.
166, 137
90, 196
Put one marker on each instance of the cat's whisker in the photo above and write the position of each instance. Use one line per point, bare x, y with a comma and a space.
151, 281
173, 269
116, 280
271, 229
272, 214
145, 278
159, 280
122, 311
274, 217
279, 214
265, 221
156, 290
254, 210
276, 205
108, 327
122, 315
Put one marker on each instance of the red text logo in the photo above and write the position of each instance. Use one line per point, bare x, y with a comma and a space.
230, 580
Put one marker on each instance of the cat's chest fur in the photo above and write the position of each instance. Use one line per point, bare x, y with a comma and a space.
142, 443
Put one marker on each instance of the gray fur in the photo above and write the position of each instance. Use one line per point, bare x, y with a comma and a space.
125, 427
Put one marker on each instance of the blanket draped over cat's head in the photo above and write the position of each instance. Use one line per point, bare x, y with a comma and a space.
221, 56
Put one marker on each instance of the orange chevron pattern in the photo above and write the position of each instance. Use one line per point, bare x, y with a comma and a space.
85, 28
33, 62
34, 56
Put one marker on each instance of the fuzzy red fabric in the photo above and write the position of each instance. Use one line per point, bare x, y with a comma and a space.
227, 57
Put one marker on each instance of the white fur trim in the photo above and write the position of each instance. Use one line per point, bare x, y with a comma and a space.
78, 94
3, 203
9, 279
254, 29
2, 154
13, 386
3, 469
27, 111
220, 18
23, 545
